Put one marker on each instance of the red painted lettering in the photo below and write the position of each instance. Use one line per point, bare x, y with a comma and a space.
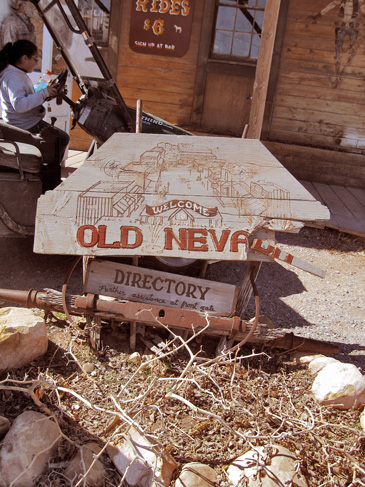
102, 235
238, 238
170, 236
276, 253
193, 240
94, 237
221, 243
124, 237
257, 245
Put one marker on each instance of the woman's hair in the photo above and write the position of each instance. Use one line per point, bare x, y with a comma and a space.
11, 53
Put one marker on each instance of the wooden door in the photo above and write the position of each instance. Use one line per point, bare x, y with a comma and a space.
227, 99
226, 74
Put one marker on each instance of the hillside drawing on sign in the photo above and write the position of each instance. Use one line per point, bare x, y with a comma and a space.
173, 195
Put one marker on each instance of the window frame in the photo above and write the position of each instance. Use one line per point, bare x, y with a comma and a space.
90, 18
230, 58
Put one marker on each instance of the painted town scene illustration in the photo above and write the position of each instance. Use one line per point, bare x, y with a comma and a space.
199, 197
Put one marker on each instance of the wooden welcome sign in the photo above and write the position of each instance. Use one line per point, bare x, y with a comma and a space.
173, 196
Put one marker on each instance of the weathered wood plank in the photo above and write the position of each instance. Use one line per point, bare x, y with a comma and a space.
153, 96
359, 194
137, 83
295, 39
332, 167
348, 120
352, 205
164, 75
300, 66
321, 129
155, 287
348, 85
310, 138
216, 116
319, 92
278, 254
340, 214
195, 197
338, 108
319, 95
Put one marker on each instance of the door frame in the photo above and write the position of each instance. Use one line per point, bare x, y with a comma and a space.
206, 64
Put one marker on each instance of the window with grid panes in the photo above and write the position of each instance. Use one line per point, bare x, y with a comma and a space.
238, 28
96, 14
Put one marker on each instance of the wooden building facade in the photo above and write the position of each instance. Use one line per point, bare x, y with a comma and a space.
310, 85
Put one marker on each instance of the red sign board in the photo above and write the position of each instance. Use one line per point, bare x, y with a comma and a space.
161, 27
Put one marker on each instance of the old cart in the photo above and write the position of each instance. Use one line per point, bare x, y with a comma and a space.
149, 212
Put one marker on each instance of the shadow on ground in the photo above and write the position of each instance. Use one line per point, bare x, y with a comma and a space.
22, 269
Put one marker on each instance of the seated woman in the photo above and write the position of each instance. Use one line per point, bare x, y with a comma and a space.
22, 106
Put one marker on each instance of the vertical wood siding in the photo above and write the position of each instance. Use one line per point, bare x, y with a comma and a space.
165, 84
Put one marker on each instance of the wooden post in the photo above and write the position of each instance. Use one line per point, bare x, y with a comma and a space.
139, 117
263, 69
246, 287
133, 325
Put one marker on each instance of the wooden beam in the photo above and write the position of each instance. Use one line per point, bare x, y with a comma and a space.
263, 69
201, 74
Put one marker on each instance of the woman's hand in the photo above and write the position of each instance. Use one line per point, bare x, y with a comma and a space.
52, 90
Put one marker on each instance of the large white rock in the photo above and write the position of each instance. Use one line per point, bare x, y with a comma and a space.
196, 475
27, 447
81, 462
262, 465
137, 458
320, 363
340, 385
23, 337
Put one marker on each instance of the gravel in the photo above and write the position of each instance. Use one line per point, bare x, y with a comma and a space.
329, 309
